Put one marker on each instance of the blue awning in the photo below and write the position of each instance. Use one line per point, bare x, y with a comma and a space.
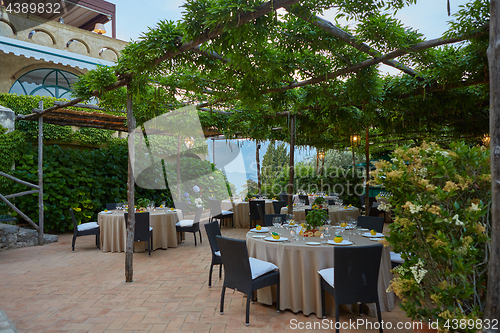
39, 52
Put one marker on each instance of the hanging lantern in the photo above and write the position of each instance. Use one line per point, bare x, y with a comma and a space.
321, 154
354, 140
189, 142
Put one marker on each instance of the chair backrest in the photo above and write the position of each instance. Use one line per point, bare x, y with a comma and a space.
215, 207
197, 215
304, 198
277, 205
234, 255
283, 197
268, 219
141, 232
261, 213
111, 206
371, 200
307, 210
331, 202
356, 273
369, 222
254, 211
213, 230
182, 206
75, 224
374, 211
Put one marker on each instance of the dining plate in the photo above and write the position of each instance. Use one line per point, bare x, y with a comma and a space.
376, 239
363, 229
108, 212
259, 236
343, 243
264, 229
313, 243
281, 239
369, 235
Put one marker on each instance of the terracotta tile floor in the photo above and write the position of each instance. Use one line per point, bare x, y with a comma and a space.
51, 289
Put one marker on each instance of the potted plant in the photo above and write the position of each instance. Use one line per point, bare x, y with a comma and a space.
441, 200
315, 220
319, 202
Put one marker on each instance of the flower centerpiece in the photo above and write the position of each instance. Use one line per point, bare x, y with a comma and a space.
315, 220
441, 200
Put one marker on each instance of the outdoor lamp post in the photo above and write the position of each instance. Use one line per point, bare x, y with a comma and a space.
355, 140
320, 156
486, 140
189, 142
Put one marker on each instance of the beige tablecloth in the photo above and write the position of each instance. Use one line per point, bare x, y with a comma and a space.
114, 232
241, 211
300, 283
336, 214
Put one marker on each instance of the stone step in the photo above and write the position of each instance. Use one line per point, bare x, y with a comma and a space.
12, 236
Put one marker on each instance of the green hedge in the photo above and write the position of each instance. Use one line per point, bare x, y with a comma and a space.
75, 178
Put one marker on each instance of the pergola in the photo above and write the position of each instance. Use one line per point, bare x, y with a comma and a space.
250, 70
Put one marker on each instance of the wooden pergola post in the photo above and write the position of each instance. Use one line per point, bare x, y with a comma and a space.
367, 180
129, 251
492, 309
40, 176
257, 160
291, 174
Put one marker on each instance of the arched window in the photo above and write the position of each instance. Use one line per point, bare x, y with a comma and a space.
45, 82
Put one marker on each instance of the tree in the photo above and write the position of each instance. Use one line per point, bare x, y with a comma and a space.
275, 159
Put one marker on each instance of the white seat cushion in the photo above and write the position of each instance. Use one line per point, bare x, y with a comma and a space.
260, 267
217, 253
185, 223
396, 257
327, 275
150, 228
227, 212
88, 226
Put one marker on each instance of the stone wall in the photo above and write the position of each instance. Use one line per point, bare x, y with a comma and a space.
12, 236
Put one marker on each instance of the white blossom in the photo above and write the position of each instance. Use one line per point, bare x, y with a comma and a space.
457, 221
418, 270
415, 208
384, 206
198, 202
474, 207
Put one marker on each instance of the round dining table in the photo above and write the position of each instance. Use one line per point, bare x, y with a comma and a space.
241, 211
335, 213
299, 263
114, 232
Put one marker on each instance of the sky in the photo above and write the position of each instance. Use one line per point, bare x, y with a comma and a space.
133, 18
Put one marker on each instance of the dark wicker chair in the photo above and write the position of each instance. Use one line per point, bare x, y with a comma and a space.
213, 231
254, 211
238, 274
143, 231
354, 279
85, 229
194, 228
216, 212
111, 206
277, 205
268, 219
372, 223
304, 198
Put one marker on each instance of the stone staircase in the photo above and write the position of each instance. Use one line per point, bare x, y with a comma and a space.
12, 236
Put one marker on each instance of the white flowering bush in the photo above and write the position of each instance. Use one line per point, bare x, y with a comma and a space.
441, 200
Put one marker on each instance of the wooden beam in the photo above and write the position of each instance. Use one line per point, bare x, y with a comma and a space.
291, 164
15, 195
18, 180
129, 251
492, 309
40, 176
14, 208
347, 38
